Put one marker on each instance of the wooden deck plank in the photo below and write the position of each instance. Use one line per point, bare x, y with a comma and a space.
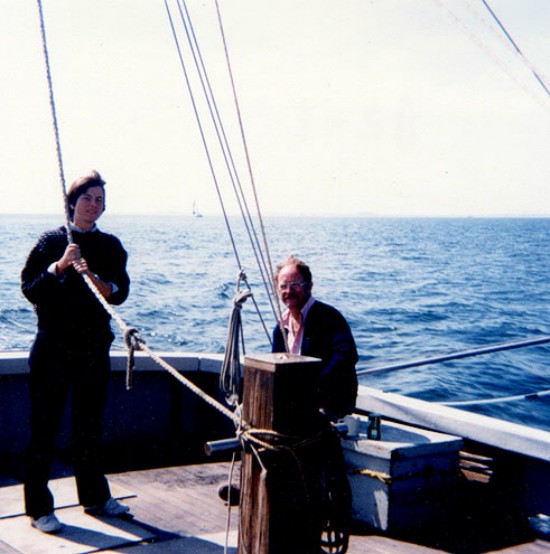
81, 533
177, 509
192, 507
64, 491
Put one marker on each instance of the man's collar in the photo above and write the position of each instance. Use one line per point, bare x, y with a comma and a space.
303, 311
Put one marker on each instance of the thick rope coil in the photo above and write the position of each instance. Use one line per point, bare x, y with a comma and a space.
133, 342
336, 501
274, 441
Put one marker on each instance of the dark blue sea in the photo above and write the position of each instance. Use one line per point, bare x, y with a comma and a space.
410, 289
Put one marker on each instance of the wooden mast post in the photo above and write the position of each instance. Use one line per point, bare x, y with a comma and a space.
281, 491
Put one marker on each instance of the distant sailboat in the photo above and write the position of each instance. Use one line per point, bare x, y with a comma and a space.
196, 212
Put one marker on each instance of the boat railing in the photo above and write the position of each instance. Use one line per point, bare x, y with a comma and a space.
457, 355
466, 354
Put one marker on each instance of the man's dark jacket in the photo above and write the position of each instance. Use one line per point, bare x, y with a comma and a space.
327, 336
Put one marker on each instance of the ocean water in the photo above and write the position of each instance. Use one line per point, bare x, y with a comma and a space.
410, 289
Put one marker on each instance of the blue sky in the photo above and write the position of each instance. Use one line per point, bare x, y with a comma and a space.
386, 107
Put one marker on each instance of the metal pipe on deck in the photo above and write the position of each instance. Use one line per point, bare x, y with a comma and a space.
457, 355
223, 445
235, 444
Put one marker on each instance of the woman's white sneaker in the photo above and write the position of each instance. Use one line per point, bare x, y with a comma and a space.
47, 524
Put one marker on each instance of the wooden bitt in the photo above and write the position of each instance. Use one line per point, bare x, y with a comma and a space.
280, 497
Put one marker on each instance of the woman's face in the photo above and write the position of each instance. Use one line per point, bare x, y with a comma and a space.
89, 207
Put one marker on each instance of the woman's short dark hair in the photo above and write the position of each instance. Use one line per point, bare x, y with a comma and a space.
81, 186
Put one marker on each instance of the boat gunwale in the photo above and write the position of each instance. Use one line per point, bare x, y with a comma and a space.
508, 436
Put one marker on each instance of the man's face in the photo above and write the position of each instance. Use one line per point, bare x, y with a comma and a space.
294, 290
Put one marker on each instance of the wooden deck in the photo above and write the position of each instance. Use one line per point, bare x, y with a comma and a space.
177, 509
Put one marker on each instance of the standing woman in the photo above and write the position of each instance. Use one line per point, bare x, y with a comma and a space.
71, 350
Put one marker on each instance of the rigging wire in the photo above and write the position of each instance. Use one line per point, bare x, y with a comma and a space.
225, 146
490, 53
55, 123
535, 73
250, 171
220, 132
201, 130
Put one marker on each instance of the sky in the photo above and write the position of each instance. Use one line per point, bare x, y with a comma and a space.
349, 107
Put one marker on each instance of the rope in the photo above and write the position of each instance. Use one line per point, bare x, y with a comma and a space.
55, 124
229, 503
132, 342
190, 385
231, 372
383, 477
131, 335
87, 279
273, 440
139, 344
127, 330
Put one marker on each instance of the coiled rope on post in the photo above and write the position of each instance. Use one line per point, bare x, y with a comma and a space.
334, 533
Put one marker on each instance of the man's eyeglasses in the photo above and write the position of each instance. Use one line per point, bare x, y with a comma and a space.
294, 285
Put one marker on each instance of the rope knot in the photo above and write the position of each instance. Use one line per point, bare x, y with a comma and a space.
133, 339
241, 297
133, 342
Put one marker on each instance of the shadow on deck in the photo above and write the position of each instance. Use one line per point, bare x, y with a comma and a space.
177, 509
